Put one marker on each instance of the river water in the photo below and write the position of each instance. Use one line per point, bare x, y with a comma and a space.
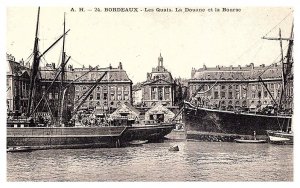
196, 161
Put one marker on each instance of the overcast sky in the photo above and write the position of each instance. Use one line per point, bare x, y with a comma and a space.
185, 40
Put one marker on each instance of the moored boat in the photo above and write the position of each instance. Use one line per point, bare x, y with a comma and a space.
250, 141
60, 131
280, 137
138, 142
19, 149
236, 100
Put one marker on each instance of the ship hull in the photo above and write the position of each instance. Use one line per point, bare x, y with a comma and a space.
279, 137
152, 133
64, 137
83, 137
209, 120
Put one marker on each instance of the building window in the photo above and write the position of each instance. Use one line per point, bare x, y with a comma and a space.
153, 93
126, 97
223, 103
230, 87
91, 97
98, 96
265, 94
259, 94
119, 97
50, 95
230, 95
237, 95
56, 95
244, 95
167, 93
258, 86
105, 96
253, 95
216, 95
222, 95
244, 104
112, 96
223, 87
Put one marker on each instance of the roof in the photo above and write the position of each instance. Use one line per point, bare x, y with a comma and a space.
159, 109
125, 108
86, 74
17, 68
234, 73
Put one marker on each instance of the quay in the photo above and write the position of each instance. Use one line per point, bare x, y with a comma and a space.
219, 137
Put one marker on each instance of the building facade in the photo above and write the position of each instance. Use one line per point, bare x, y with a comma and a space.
114, 89
17, 85
231, 87
159, 87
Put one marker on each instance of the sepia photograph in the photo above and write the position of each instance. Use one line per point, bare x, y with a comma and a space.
149, 93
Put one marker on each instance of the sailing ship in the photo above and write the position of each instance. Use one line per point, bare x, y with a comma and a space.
30, 131
273, 119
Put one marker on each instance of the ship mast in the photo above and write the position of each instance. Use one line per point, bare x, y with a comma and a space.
286, 66
35, 65
63, 63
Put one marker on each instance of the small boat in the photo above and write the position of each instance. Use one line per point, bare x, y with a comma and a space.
174, 148
250, 141
138, 142
19, 149
280, 137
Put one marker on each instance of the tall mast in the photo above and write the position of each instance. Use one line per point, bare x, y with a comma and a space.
61, 98
283, 69
286, 67
35, 65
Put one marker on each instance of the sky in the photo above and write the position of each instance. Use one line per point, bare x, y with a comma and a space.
185, 39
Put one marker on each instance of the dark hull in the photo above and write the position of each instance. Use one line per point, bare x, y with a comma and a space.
60, 137
83, 137
208, 120
152, 133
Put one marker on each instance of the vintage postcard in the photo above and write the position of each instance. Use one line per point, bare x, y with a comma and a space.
149, 93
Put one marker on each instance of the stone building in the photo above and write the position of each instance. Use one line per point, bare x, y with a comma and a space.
114, 89
137, 94
17, 85
159, 87
230, 87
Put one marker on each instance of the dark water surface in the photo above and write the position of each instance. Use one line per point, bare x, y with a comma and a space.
196, 161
